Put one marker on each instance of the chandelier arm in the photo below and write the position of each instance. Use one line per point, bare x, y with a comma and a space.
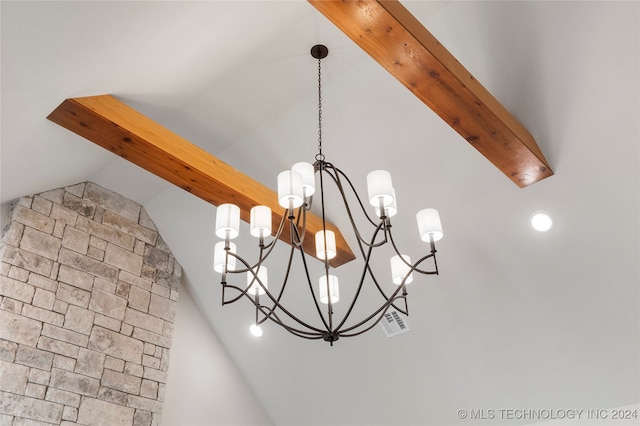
375, 280
338, 183
276, 237
238, 271
433, 252
276, 301
295, 227
404, 311
248, 268
368, 265
362, 278
293, 231
368, 328
269, 313
381, 310
302, 213
261, 258
377, 284
324, 234
389, 300
414, 267
313, 295
272, 316
353, 189
243, 291
297, 332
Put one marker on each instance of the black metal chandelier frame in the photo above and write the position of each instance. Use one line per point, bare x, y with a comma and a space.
269, 306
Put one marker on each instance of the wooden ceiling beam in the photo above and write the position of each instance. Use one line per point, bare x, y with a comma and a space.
111, 124
392, 36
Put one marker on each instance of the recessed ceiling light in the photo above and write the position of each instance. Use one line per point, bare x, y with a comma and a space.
541, 221
256, 330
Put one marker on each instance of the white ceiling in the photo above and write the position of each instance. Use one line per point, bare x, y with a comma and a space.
516, 319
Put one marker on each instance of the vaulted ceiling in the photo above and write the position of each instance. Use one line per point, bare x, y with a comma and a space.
515, 318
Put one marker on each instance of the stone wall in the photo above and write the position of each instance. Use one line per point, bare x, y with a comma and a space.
88, 296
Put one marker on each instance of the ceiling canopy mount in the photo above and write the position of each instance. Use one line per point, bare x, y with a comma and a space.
319, 51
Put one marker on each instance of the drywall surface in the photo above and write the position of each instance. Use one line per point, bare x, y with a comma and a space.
204, 387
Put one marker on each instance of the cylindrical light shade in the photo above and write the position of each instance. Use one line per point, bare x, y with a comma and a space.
260, 221
392, 209
255, 286
399, 269
290, 188
219, 258
308, 177
429, 224
333, 289
330, 251
227, 219
379, 187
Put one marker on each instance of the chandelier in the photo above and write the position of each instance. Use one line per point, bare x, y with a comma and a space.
296, 191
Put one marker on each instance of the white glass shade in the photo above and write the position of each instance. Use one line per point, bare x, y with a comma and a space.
254, 285
399, 269
220, 256
330, 251
256, 330
308, 177
391, 209
260, 221
290, 189
429, 224
379, 187
227, 219
333, 289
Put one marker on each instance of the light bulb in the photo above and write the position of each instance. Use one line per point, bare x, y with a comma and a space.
391, 210
541, 222
256, 330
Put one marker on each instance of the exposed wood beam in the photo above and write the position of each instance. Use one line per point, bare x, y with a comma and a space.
107, 122
392, 36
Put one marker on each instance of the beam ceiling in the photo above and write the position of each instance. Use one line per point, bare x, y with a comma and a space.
392, 36
111, 124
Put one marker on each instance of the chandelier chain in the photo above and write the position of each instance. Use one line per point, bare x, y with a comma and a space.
320, 156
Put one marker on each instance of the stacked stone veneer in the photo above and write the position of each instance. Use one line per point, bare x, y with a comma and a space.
88, 295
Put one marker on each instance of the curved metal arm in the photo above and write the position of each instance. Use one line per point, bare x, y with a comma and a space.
274, 310
414, 266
